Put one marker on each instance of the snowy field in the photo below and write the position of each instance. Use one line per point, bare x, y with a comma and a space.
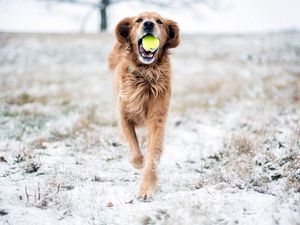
232, 146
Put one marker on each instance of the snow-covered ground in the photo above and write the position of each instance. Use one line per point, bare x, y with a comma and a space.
232, 147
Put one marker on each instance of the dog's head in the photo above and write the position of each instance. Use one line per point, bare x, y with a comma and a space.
132, 30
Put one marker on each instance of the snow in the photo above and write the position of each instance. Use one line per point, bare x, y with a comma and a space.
232, 139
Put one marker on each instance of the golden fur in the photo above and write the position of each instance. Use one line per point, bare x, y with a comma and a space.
143, 90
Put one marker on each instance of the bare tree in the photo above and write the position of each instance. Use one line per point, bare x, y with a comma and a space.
102, 5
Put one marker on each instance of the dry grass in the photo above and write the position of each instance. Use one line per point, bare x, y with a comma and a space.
240, 145
207, 92
60, 98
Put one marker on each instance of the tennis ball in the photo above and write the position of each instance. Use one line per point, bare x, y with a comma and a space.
150, 43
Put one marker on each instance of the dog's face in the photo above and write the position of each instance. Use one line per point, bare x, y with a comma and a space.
131, 30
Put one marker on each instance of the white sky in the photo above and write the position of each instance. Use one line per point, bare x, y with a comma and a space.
232, 16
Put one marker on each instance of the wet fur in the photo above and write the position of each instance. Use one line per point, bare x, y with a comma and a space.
143, 92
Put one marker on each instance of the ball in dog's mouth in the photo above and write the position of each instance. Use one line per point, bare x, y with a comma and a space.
147, 50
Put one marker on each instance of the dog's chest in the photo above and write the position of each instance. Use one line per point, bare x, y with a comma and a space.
138, 91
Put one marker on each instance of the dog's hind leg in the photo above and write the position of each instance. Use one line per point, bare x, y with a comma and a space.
128, 131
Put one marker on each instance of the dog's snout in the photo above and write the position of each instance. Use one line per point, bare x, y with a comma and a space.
148, 26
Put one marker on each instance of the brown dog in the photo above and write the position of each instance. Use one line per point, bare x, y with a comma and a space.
143, 83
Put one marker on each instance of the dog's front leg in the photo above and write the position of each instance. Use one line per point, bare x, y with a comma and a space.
154, 151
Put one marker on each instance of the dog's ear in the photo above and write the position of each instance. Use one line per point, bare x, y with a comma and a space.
173, 34
123, 30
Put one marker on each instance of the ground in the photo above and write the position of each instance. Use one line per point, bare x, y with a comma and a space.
232, 146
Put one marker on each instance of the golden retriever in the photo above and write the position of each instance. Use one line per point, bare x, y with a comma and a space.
143, 87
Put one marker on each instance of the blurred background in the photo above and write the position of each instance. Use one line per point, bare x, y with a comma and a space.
194, 16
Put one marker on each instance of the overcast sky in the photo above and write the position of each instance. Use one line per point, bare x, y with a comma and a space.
231, 16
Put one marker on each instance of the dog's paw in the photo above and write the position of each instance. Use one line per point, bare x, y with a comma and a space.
147, 190
144, 198
137, 162
145, 195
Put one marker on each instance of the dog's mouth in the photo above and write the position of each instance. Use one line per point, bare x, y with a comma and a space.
146, 57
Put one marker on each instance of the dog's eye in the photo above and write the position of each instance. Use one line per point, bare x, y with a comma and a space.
159, 21
139, 20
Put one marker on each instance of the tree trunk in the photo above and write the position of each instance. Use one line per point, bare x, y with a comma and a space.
103, 8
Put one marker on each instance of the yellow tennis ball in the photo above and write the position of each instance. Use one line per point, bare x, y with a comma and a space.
150, 43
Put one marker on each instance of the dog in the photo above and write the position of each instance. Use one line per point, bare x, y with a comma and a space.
143, 88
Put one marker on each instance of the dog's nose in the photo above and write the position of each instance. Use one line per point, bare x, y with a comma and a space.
148, 26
